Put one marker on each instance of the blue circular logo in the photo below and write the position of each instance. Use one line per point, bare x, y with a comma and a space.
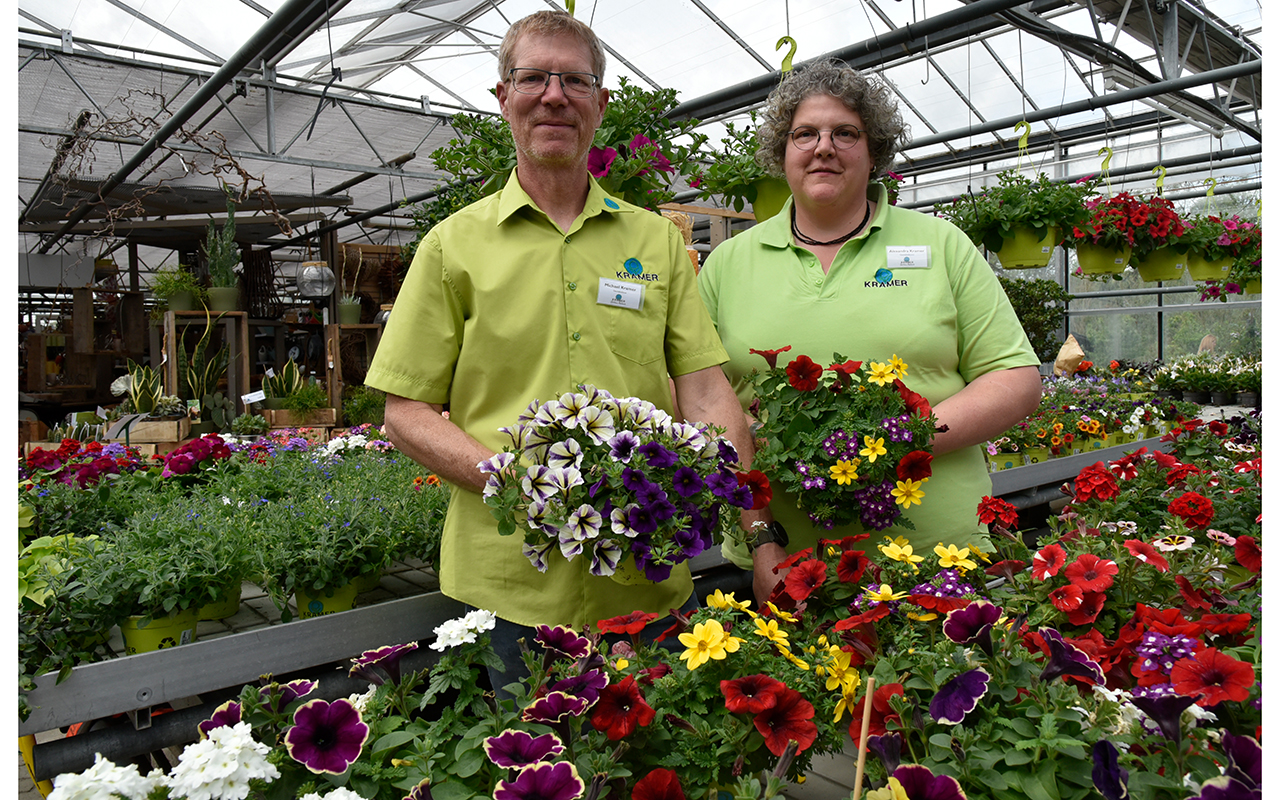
633, 266
883, 275
315, 607
608, 202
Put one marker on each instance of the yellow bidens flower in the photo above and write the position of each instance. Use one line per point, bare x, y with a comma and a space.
848, 700
880, 374
901, 552
951, 557
884, 594
779, 613
977, 551
723, 602
622, 664
899, 366
908, 492
894, 791
844, 472
707, 641
768, 628
839, 675
874, 448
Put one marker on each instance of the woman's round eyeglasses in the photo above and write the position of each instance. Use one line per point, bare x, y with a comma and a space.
535, 81
806, 137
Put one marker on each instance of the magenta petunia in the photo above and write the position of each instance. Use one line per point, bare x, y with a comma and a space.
959, 696
586, 685
555, 706
542, 781
371, 664
1067, 659
326, 737
561, 640
600, 159
972, 624
227, 714
515, 749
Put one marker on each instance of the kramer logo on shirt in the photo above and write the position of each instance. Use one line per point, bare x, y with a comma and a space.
884, 279
632, 269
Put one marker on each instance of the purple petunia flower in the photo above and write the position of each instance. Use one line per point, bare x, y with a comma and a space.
555, 706
326, 737
644, 561
371, 664
227, 714
689, 541
420, 792
658, 456
1108, 778
650, 493
728, 455
586, 685
542, 781
920, 783
599, 159
286, 693
1166, 711
722, 484
888, 748
1224, 788
741, 497
1067, 659
686, 481
633, 479
972, 624
959, 696
1245, 757
514, 749
640, 519
563, 640
605, 556
622, 444
537, 554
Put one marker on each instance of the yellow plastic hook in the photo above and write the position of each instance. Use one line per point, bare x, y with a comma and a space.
1161, 172
568, 6
786, 60
1025, 127
1213, 184
1106, 152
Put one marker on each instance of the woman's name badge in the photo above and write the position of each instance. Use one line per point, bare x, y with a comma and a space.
620, 294
916, 257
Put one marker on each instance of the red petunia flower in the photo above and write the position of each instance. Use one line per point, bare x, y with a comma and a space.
1218, 428
803, 374
878, 611
1090, 573
660, 784
845, 372
915, 466
761, 491
991, 509
1096, 481
1164, 459
916, 403
1191, 595
790, 719
1248, 553
852, 564
770, 355
1090, 607
1226, 624
1006, 569
1067, 598
751, 694
804, 578
1047, 561
1194, 508
1178, 473
1213, 677
631, 623
1147, 554
794, 559
941, 605
881, 711
621, 709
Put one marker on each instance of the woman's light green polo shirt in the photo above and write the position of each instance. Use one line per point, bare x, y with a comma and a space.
500, 308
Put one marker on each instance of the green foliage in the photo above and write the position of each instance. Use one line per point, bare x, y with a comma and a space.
734, 168
284, 382
364, 405
168, 281
249, 425
220, 409
1041, 306
485, 151
307, 398
221, 251
200, 371
1016, 201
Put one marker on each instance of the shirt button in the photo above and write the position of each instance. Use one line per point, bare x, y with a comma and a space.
573, 287
576, 336
566, 240
818, 282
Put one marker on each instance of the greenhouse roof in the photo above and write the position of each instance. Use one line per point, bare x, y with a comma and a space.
344, 100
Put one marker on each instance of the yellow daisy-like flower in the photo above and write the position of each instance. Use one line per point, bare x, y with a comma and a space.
901, 552
1057, 428
839, 674
952, 556
779, 613
894, 791
804, 665
899, 366
880, 374
844, 472
884, 594
723, 602
908, 492
768, 628
622, 664
928, 616
707, 641
874, 448
848, 701
977, 551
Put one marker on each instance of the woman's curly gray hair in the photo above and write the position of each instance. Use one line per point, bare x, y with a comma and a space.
869, 97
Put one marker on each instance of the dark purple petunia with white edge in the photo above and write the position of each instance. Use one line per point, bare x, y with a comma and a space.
326, 737
554, 707
515, 749
542, 781
226, 714
959, 696
1067, 659
561, 639
373, 665
972, 624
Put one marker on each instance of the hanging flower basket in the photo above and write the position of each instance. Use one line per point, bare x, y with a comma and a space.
1165, 264
1202, 269
1027, 249
1097, 260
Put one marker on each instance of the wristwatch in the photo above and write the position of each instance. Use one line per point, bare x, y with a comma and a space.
770, 532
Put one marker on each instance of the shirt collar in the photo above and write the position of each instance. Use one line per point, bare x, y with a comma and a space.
777, 229
513, 197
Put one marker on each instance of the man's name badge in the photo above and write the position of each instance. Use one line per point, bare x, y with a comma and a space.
916, 257
620, 294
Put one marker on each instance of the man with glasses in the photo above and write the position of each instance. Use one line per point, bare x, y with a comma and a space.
506, 302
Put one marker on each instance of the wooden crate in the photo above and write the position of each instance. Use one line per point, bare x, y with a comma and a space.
31, 430
160, 430
284, 418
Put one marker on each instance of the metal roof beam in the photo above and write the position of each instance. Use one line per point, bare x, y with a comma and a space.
128, 9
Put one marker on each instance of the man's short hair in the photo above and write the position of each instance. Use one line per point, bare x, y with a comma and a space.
550, 23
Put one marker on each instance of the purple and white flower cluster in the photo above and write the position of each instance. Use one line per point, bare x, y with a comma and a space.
593, 475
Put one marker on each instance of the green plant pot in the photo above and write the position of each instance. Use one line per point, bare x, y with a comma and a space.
223, 608
1222, 398
1253, 286
1200, 398
367, 581
771, 196
273, 403
1095, 260
224, 298
326, 601
348, 313
1036, 455
158, 634
1002, 461
1026, 250
1247, 399
182, 301
1202, 270
1165, 264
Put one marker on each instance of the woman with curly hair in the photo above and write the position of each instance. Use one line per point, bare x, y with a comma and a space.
840, 270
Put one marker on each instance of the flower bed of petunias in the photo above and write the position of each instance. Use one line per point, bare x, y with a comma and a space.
106, 533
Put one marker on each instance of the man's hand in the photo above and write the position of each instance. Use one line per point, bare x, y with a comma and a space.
422, 432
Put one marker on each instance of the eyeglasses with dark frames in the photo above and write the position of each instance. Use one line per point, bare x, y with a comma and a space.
806, 137
535, 81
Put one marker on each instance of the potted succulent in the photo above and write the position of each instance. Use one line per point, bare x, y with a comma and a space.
736, 175
1122, 227
281, 384
175, 289
1020, 219
223, 254
201, 372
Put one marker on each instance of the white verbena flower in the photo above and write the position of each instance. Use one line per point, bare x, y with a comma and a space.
480, 620
104, 781
221, 766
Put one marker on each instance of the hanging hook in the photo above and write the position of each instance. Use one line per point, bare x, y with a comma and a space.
1025, 127
1107, 152
1213, 184
1161, 171
927, 73
568, 6
786, 60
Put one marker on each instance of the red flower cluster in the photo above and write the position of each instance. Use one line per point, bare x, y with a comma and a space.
881, 711
761, 492
1127, 221
781, 713
1195, 509
621, 709
991, 509
803, 374
1096, 481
